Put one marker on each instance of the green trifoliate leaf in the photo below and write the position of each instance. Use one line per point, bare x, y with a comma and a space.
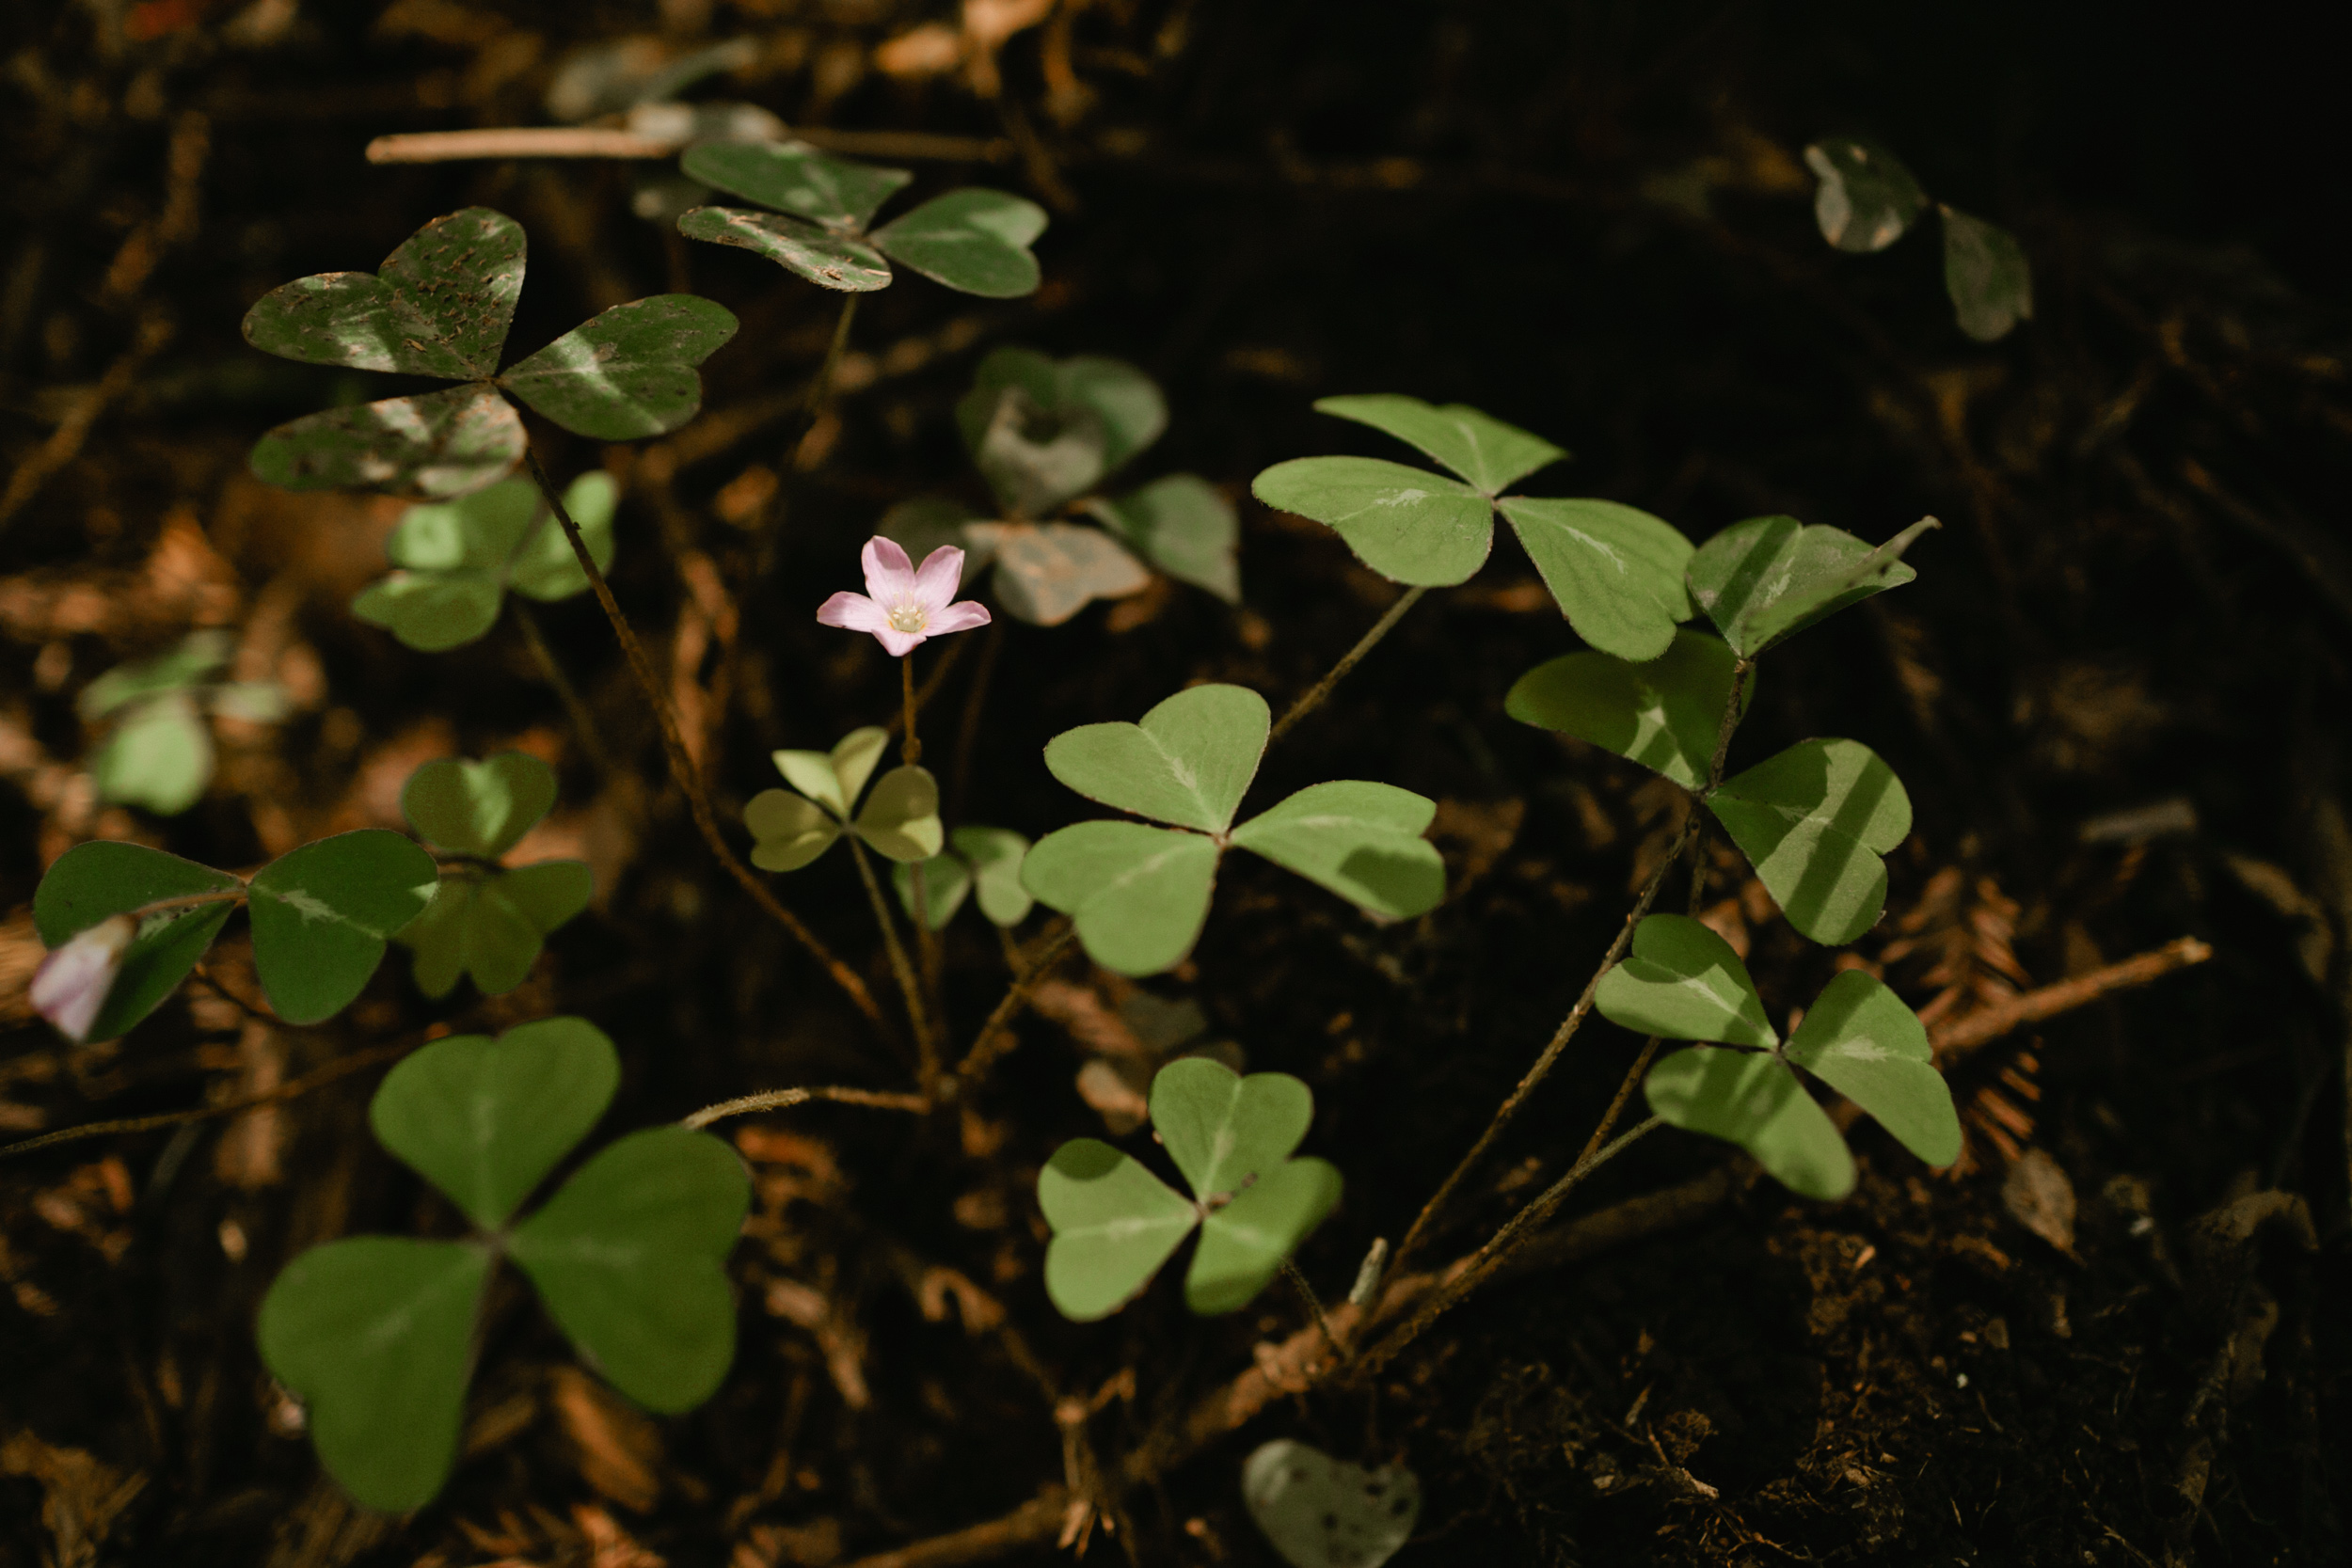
901, 819
946, 883
973, 240
1114, 1224
1684, 982
455, 560
835, 779
1324, 1512
159, 755
1362, 840
1755, 1101
1243, 1244
430, 446
1866, 199
792, 176
376, 1335
994, 855
825, 258
629, 1257
1140, 894
1666, 713
1860, 1040
1188, 762
1181, 525
1034, 458
1407, 523
93, 881
630, 372
197, 656
1813, 821
1486, 453
478, 808
485, 1120
1986, 272
492, 925
788, 831
441, 305
544, 566
1223, 1130
1616, 572
1112, 408
1769, 578
1046, 572
322, 914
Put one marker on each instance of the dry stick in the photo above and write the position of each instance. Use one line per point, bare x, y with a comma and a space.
583, 723
582, 141
1322, 688
925, 1050
682, 763
1981, 1028
776, 1100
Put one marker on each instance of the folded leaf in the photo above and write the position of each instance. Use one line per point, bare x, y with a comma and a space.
826, 258
835, 779
901, 820
441, 305
1114, 1224
1223, 1130
1181, 525
93, 881
1986, 272
1362, 840
1046, 572
1666, 713
1860, 1040
1486, 452
1035, 457
1140, 894
322, 913
1243, 1244
478, 808
1188, 762
789, 832
792, 176
1755, 1101
1684, 982
1119, 402
431, 446
628, 373
1867, 198
1616, 572
1407, 523
1769, 578
1813, 821
973, 240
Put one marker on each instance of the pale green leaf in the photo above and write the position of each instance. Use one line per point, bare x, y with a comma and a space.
1140, 894
158, 756
946, 883
1484, 451
788, 830
478, 808
1769, 578
322, 913
1034, 457
441, 305
628, 373
994, 855
543, 565
1362, 840
1324, 1512
1114, 1224
1813, 821
973, 240
480, 530
1407, 523
91, 881
1181, 525
1866, 199
1753, 1099
1666, 715
1224, 1130
1046, 572
1986, 272
901, 819
433, 611
1244, 1243
196, 656
1615, 571
1684, 982
793, 177
826, 258
1189, 762
1124, 404
1860, 1040
430, 446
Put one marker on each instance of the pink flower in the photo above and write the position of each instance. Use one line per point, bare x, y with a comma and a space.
904, 604
72, 981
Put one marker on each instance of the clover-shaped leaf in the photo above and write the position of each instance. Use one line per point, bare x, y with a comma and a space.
478, 808
1769, 578
486, 919
1042, 429
1813, 820
973, 240
1867, 198
93, 881
900, 820
1615, 571
1325, 1513
1666, 713
1115, 1222
1683, 982
1140, 894
441, 305
322, 913
158, 752
1181, 525
983, 859
1986, 272
1753, 1099
376, 1333
1047, 572
1860, 1040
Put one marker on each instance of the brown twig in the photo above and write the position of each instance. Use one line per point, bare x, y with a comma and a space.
985, 1048
909, 987
1322, 688
66, 440
776, 1100
682, 768
1961, 1038
584, 141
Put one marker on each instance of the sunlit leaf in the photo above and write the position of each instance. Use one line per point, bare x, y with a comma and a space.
973, 240
1243, 1244
1986, 272
1407, 523
835, 779
441, 305
1362, 840
1224, 1130
1140, 894
826, 258
1866, 199
1769, 578
900, 818
1860, 1040
1813, 821
793, 177
1323, 1513
430, 446
1484, 451
91, 881
1188, 762
322, 913
158, 756
630, 372
1046, 572
485, 1120
478, 808
1181, 525
788, 831
1114, 1224
1755, 1101
1684, 982
1666, 713
1615, 571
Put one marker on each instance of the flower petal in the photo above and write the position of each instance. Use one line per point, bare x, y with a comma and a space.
937, 580
72, 981
889, 575
957, 617
854, 612
895, 643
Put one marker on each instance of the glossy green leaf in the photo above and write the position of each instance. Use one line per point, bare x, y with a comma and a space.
1684, 982
628, 373
1769, 578
1666, 713
1986, 272
1860, 1040
1243, 1244
826, 258
1181, 525
376, 1335
947, 883
973, 240
1224, 1130
1486, 453
430, 446
835, 779
543, 566
158, 756
1615, 571
1753, 1099
788, 830
1407, 523
629, 1257
1140, 894
1114, 1224
1046, 572
995, 855
478, 808
494, 927
196, 656
1361, 840
322, 913
91, 881
441, 305
793, 177
1115, 400
1813, 821
901, 819
1188, 762
485, 1120
1324, 1512
1866, 199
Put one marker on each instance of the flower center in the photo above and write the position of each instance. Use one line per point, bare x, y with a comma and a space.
907, 615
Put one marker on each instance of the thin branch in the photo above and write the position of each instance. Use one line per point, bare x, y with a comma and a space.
1322, 688
584, 722
1969, 1034
584, 141
776, 1100
925, 1048
682, 763
985, 1048
1314, 1305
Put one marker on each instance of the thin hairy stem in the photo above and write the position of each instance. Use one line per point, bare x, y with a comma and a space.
584, 722
776, 1100
995, 1038
911, 748
682, 770
926, 1052
1314, 1305
188, 901
1322, 688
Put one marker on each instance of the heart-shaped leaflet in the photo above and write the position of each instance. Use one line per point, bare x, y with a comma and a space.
322, 913
93, 881
1189, 761
1666, 715
1813, 820
478, 808
1860, 1040
1769, 578
493, 926
1324, 1512
1683, 982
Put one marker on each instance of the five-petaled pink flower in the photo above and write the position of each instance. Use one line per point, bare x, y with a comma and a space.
907, 603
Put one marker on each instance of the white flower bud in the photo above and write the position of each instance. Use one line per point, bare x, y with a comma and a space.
72, 981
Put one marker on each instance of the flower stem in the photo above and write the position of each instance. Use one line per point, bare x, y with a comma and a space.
1322, 688
926, 1054
911, 748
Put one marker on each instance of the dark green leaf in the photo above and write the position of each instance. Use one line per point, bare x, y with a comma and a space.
439, 306
1114, 1224
628, 373
1243, 1244
1664, 715
1867, 198
478, 808
91, 881
1813, 821
1769, 578
1755, 1101
1407, 523
494, 925
1685, 983
973, 240
796, 177
1616, 572
435, 445
1188, 762
1361, 840
1046, 572
159, 755
946, 883
995, 855
1860, 1040
1140, 894
1181, 525
322, 913
1986, 272
1484, 450
827, 260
